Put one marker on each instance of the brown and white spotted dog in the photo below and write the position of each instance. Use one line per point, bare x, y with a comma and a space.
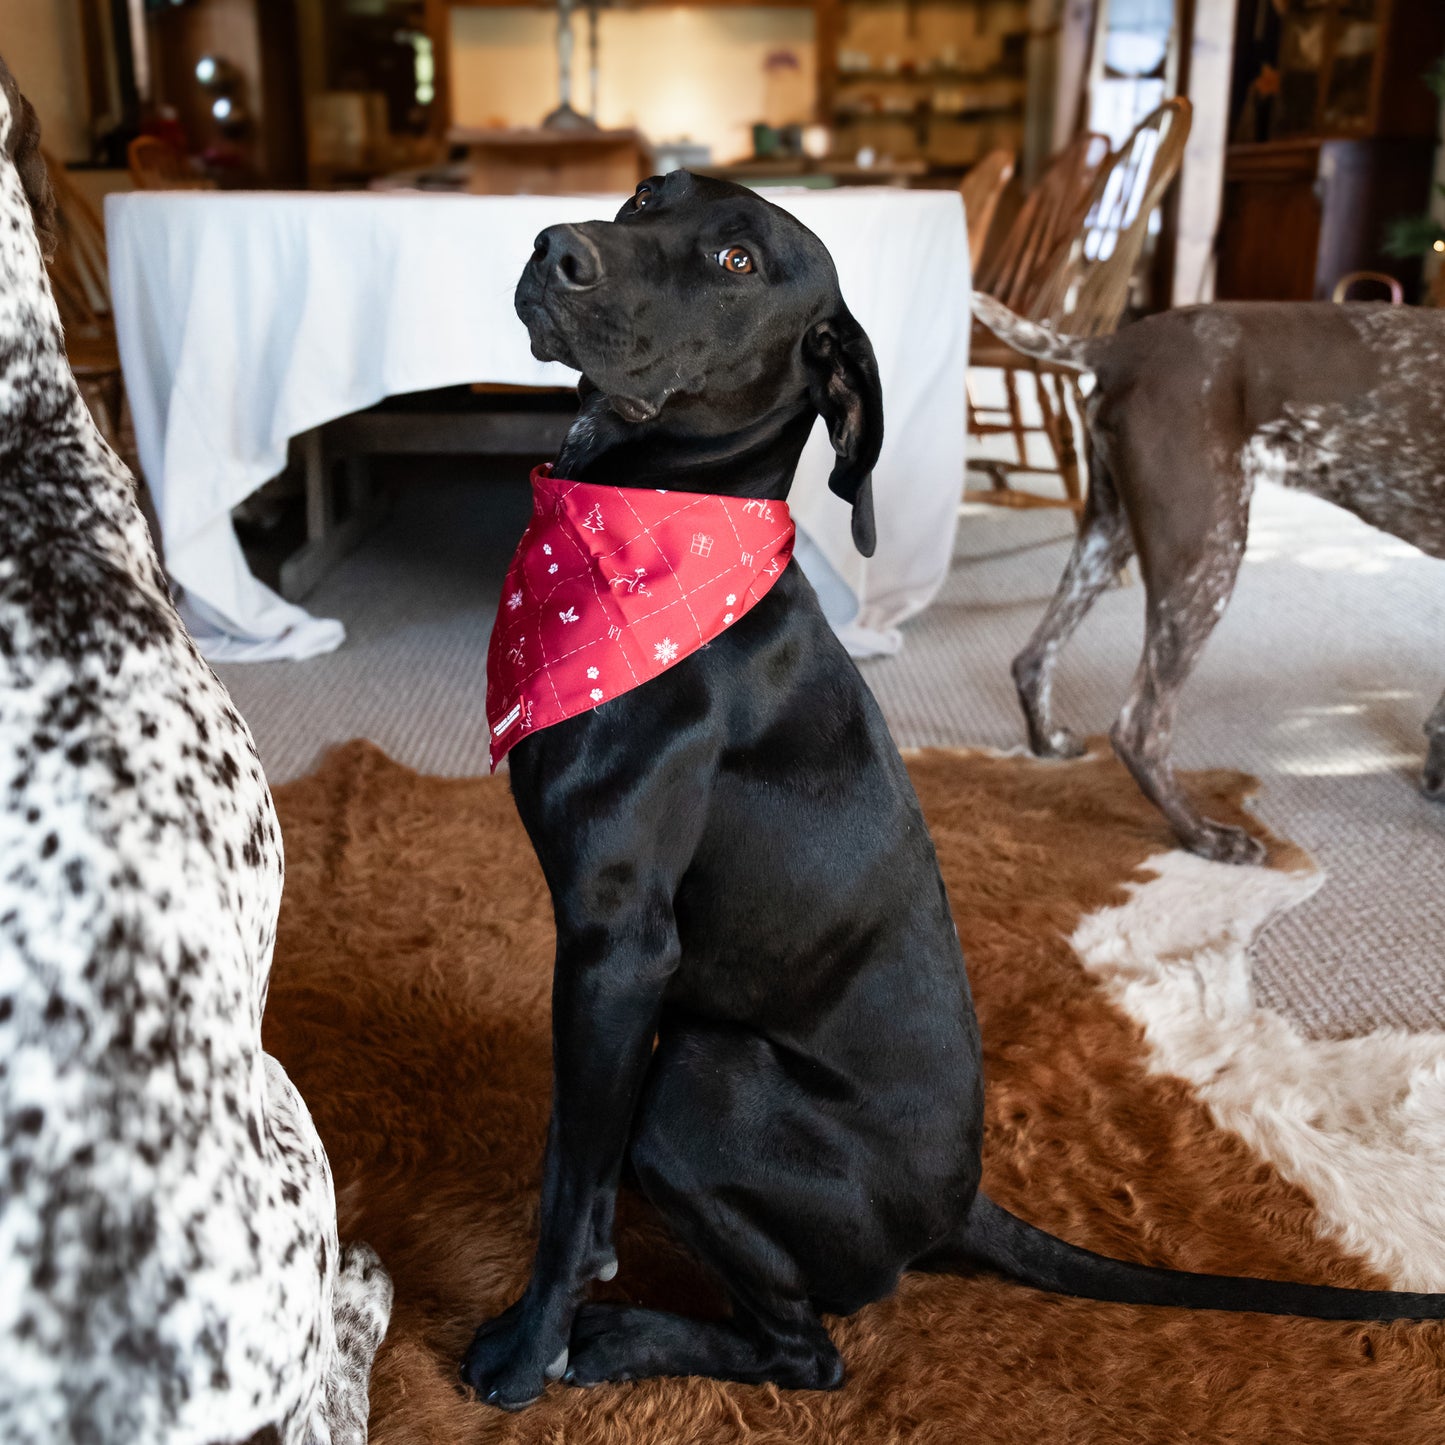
169, 1268
1188, 410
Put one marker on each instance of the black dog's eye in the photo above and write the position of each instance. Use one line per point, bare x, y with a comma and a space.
735, 259
642, 197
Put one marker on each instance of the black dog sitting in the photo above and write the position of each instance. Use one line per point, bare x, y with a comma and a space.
741, 873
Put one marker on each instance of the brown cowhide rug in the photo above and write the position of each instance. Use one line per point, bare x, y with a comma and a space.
410, 1004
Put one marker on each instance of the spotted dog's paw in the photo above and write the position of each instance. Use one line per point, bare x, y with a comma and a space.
361, 1300
1221, 844
1061, 744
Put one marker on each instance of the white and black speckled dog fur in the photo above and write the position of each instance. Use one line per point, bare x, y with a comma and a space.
1188, 411
169, 1267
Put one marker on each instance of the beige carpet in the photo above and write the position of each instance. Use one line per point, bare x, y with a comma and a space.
1317, 682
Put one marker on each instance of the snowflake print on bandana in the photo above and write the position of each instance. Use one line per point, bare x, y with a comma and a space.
618, 584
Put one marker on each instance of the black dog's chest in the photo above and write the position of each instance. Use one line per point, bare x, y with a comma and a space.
812, 873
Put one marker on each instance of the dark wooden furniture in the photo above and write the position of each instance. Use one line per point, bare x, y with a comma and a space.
1299, 214
1334, 132
156, 165
483, 420
257, 39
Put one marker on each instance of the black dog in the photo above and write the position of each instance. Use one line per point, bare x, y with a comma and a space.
741, 873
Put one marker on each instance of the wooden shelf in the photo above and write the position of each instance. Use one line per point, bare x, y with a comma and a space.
549, 5
845, 172
919, 77
978, 79
983, 112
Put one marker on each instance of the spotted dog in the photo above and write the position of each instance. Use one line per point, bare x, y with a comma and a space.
169, 1267
1188, 410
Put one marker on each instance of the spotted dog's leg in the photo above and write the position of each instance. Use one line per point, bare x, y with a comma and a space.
346, 1294
361, 1308
1102, 547
1433, 781
1187, 587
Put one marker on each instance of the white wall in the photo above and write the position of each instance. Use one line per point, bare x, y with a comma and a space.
670, 71
41, 43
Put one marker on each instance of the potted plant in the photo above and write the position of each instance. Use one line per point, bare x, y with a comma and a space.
1424, 235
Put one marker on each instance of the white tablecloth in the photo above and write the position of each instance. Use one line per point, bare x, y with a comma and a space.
246, 319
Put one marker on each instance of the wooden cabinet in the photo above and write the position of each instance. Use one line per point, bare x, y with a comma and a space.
257, 38
1299, 214
1334, 138
1355, 67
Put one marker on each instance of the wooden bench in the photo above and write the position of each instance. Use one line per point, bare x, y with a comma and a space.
490, 421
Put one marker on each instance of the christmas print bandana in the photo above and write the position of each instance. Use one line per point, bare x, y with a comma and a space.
611, 586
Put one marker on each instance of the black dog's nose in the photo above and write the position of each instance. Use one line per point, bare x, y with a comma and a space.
569, 256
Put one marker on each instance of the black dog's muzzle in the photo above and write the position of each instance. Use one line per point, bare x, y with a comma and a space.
564, 257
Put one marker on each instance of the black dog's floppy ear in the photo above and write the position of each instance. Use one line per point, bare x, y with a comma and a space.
845, 389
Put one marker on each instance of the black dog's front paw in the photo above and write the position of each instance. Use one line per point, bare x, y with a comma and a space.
511, 1359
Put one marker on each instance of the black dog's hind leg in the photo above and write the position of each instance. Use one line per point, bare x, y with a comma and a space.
1102, 547
1433, 780
774, 1335
781, 1343
725, 1149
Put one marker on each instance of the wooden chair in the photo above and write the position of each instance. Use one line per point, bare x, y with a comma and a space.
1014, 267
1082, 289
80, 279
982, 188
1351, 279
1051, 213
156, 165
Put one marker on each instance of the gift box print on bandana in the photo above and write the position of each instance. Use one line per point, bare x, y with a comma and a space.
611, 586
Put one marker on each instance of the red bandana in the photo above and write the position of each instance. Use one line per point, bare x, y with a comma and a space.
612, 586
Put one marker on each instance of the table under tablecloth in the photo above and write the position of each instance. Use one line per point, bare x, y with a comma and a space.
246, 319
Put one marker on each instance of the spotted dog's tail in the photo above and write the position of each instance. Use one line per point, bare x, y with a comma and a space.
992, 1236
1031, 338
